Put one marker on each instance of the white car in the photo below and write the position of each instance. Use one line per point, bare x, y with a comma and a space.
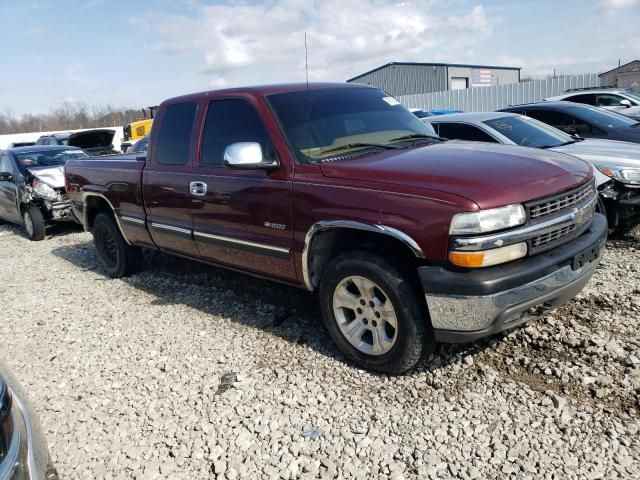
622, 100
616, 164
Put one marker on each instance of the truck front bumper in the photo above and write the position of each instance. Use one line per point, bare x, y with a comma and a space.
465, 306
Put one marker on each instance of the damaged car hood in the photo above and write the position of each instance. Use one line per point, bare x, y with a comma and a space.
52, 176
92, 138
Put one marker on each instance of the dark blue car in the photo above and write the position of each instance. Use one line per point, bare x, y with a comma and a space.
583, 120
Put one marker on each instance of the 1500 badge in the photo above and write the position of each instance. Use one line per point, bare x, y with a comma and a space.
275, 226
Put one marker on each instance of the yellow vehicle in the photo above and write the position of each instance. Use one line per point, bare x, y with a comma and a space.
134, 131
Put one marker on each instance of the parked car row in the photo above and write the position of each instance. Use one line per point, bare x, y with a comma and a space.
616, 163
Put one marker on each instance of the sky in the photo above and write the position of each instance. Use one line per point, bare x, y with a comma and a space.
139, 52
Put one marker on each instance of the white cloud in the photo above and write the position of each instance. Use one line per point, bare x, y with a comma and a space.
265, 42
619, 4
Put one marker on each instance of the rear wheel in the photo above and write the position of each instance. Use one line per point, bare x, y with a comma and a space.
373, 313
117, 257
34, 223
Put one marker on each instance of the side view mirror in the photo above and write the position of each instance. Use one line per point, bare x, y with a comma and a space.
6, 177
625, 103
247, 156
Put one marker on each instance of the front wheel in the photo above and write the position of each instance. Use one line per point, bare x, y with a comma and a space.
34, 223
373, 313
116, 256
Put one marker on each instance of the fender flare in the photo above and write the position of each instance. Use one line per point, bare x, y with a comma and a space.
353, 225
85, 223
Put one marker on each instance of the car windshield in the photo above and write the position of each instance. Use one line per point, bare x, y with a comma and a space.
528, 132
601, 117
630, 92
47, 158
321, 124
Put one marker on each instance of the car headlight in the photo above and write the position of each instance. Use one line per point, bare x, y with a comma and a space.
628, 175
43, 190
488, 220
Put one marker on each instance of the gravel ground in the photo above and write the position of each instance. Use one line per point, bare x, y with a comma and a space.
186, 371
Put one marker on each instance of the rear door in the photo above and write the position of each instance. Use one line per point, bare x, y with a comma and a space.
241, 218
166, 179
8, 189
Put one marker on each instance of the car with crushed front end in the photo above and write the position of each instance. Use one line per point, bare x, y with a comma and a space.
24, 454
338, 189
616, 164
32, 191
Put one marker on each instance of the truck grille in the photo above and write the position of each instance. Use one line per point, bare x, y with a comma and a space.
559, 202
552, 236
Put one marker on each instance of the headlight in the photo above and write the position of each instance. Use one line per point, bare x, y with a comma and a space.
43, 190
487, 258
488, 220
623, 174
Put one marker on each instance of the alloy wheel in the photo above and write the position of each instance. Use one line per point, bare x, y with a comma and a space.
365, 315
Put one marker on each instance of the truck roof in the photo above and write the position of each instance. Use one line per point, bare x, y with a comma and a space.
264, 90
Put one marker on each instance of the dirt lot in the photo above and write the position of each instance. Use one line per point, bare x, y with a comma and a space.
185, 371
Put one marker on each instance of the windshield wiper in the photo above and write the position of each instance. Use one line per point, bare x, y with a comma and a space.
560, 144
357, 145
416, 136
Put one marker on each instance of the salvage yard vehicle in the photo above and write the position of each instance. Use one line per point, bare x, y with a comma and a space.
32, 190
24, 454
337, 188
621, 100
616, 164
98, 141
583, 120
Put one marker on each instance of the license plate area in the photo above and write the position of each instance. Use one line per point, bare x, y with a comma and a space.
585, 258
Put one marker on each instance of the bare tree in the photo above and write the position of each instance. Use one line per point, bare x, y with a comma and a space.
67, 116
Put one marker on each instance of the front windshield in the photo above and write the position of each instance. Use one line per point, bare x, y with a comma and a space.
46, 158
322, 124
528, 132
601, 117
629, 92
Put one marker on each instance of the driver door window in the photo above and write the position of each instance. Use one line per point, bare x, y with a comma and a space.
609, 100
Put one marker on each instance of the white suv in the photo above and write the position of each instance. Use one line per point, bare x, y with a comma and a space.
625, 101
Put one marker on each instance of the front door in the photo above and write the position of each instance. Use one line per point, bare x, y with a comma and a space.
244, 218
8, 190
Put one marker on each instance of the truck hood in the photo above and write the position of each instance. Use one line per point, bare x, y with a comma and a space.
491, 175
92, 138
625, 154
52, 176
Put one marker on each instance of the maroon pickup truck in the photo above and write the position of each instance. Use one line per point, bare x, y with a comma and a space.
340, 190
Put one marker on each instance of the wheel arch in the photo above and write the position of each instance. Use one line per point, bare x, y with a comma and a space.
325, 239
95, 203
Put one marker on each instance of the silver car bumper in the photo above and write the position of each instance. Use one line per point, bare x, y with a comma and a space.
465, 306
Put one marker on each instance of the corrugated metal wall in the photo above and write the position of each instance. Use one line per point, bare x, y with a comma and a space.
484, 99
405, 79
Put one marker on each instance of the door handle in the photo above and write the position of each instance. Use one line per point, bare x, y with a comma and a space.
198, 188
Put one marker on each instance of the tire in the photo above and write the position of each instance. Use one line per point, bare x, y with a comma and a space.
114, 254
34, 223
389, 298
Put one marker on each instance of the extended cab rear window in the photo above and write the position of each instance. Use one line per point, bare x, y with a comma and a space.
174, 138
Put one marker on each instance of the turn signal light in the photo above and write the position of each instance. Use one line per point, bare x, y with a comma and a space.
487, 258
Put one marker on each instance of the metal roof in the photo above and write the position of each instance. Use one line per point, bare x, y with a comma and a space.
423, 64
614, 69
